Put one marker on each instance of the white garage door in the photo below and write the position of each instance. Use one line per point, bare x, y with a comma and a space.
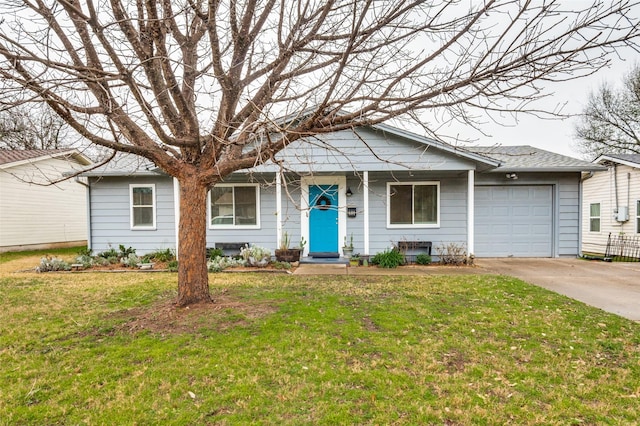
514, 221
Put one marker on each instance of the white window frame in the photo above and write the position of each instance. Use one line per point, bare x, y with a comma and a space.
413, 225
637, 216
599, 217
226, 226
135, 227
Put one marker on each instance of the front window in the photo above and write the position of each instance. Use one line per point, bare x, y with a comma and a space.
143, 206
413, 204
594, 217
234, 206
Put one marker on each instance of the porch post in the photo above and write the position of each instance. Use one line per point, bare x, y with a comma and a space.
470, 213
278, 209
365, 185
176, 210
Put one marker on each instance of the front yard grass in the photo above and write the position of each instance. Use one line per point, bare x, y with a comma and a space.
97, 348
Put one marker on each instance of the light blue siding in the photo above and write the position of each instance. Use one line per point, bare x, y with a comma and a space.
453, 211
365, 149
110, 220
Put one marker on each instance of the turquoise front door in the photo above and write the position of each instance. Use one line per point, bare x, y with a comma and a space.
323, 219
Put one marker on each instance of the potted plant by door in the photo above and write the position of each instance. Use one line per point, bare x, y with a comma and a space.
354, 260
347, 249
286, 254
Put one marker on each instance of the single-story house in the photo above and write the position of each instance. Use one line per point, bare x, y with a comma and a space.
35, 214
611, 201
378, 185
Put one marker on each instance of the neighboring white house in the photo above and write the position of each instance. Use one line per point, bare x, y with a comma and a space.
611, 201
35, 214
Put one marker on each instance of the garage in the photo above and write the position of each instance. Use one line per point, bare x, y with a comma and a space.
514, 221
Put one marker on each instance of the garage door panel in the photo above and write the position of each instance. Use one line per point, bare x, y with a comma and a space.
520, 211
521, 230
544, 230
500, 210
514, 221
542, 193
541, 211
520, 194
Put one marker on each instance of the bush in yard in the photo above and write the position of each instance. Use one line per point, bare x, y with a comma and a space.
131, 261
86, 260
125, 252
256, 255
51, 264
452, 254
423, 259
220, 263
162, 255
390, 258
212, 253
109, 254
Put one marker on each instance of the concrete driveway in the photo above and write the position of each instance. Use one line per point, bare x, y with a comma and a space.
612, 287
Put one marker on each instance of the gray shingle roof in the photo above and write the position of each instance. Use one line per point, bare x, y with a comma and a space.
525, 158
15, 155
124, 164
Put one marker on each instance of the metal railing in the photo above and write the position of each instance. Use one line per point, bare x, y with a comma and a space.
623, 248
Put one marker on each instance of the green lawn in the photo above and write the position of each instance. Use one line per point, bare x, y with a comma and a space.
95, 348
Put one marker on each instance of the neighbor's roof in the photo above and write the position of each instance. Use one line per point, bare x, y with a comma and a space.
14, 157
631, 160
525, 158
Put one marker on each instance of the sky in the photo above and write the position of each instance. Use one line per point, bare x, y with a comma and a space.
556, 135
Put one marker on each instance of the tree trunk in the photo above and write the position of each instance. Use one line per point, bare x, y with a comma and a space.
193, 279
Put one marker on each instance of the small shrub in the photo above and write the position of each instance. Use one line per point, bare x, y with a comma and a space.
452, 254
108, 254
220, 263
172, 266
256, 255
212, 253
423, 259
85, 260
101, 261
162, 255
126, 252
282, 265
390, 258
85, 251
130, 261
51, 264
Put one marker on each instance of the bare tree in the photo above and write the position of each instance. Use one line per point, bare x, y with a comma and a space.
610, 122
196, 86
32, 128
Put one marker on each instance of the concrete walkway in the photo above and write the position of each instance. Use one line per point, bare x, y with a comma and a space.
612, 287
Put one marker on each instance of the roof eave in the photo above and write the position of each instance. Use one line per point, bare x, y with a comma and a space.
594, 168
604, 158
123, 173
79, 157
